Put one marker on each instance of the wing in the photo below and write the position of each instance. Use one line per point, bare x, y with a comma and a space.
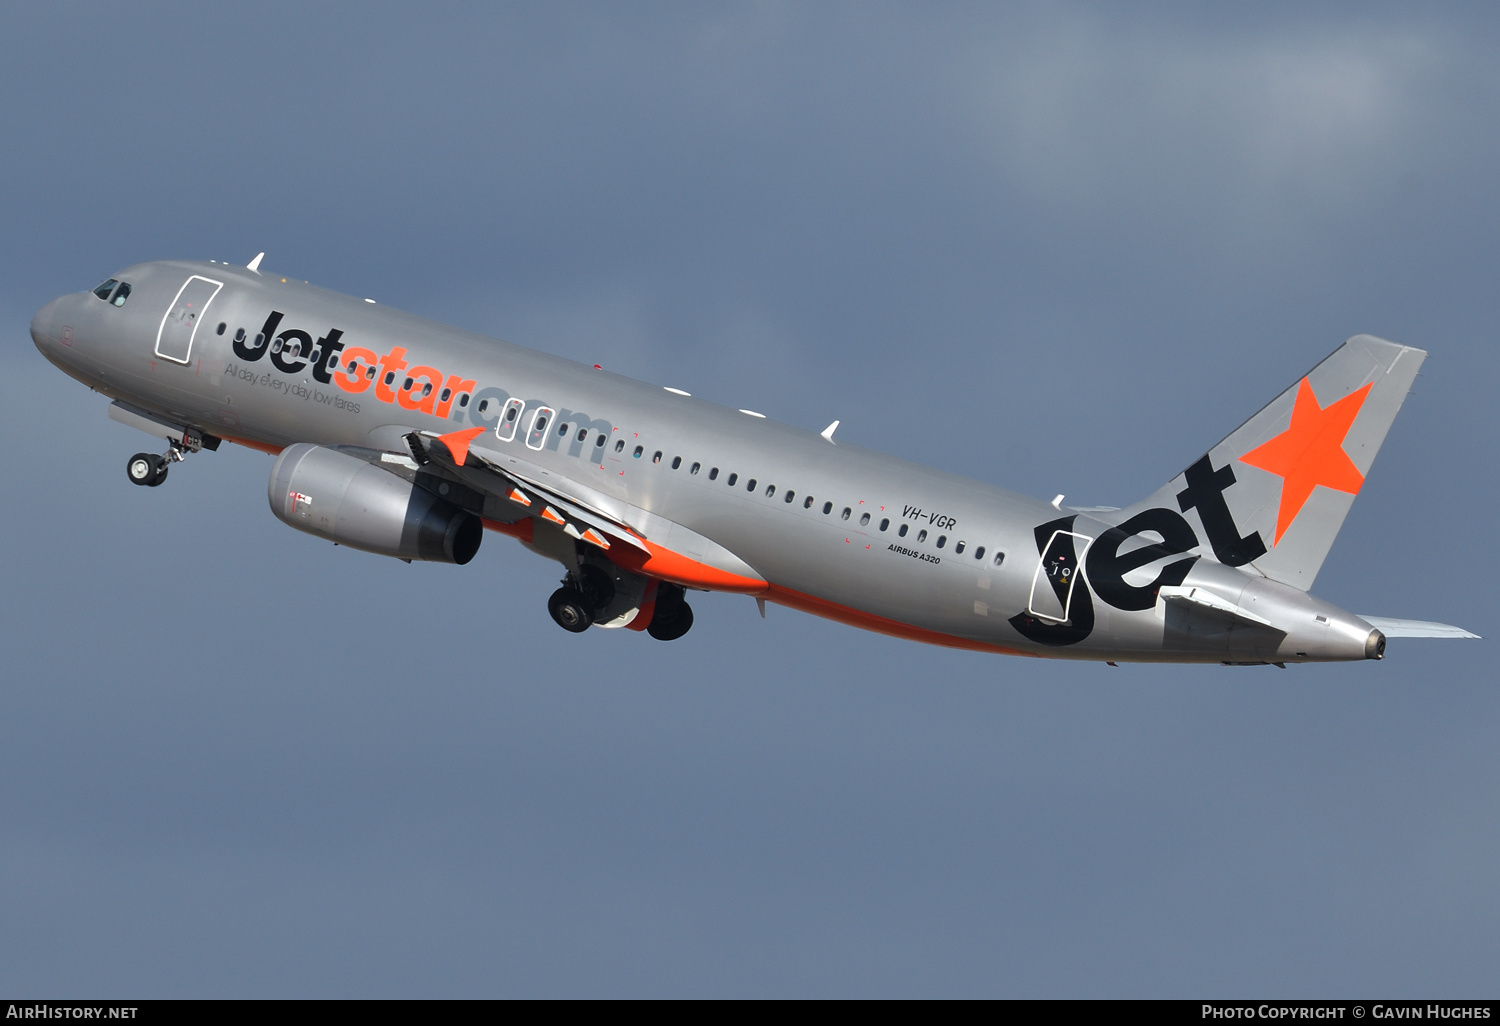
633, 538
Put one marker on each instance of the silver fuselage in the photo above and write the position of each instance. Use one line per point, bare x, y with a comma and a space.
739, 481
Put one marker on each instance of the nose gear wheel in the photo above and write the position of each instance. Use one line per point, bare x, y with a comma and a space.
147, 469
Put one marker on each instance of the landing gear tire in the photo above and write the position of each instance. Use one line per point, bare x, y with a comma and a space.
570, 609
673, 617
146, 468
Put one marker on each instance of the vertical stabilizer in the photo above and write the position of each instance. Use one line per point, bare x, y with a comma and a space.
1272, 496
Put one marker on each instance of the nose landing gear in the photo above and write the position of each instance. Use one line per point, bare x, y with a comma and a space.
148, 469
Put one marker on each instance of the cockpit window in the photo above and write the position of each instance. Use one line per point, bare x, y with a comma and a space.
113, 291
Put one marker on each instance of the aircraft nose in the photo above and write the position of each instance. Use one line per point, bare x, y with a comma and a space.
41, 326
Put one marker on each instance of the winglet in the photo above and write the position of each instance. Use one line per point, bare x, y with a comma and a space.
254, 265
829, 430
458, 443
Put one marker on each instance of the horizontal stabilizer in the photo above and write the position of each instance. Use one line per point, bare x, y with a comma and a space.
1393, 628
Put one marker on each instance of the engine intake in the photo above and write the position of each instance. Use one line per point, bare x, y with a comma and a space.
342, 498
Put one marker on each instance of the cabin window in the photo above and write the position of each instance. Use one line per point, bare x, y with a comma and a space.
790, 495
484, 404
942, 540
657, 457
222, 326
369, 372
405, 385
979, 552
845, 514
999, 558
958, 548
389, 375
463, 400
902, 533
731, 479
333, 363
620, 445
239, 334
864, 521
676, 462
827, 508
884, 524
807, 502
638, 450
426, 390
922, 535
447, 392
750, 485
599, 442
770, 491
713, 473
562, 430
583, 434
695, 468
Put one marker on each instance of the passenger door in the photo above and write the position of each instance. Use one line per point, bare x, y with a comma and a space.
1056, 576
174, 339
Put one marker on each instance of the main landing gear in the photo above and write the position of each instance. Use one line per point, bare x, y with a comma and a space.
673, 616
584, 595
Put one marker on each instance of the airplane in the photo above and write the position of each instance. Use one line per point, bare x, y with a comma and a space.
407, 438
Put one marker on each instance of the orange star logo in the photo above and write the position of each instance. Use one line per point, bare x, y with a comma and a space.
1310, 452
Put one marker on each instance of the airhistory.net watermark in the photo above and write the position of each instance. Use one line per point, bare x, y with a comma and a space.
45, 1010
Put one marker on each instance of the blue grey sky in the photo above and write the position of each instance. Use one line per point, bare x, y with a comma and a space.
1056, 247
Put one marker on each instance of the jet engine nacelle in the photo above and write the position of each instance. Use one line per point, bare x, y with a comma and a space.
342, 498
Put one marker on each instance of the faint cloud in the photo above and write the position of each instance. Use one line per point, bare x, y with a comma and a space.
1083, 112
